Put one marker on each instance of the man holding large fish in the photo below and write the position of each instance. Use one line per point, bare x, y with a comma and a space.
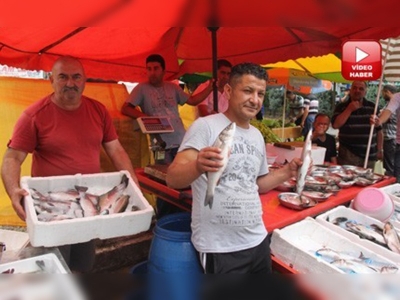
223, 158
64, 132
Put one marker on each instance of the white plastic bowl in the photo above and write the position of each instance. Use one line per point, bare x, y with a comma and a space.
375, 203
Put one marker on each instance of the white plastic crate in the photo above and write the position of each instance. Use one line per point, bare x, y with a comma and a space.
296, 245
351, 214
78, 230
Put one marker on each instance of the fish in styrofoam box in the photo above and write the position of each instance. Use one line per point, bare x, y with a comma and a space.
375, 241
44, 286
309, 247
83, 229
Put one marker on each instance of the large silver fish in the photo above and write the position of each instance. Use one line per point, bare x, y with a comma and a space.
391, 237
305, 167
108, 199
224, 142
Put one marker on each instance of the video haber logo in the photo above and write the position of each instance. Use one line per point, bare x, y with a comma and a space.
361, 60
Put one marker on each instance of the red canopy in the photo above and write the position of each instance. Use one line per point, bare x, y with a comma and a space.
115, 50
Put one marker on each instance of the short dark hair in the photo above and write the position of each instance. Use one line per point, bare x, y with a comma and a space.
156, 58
223, 63
322, 115
247, 68
390, 88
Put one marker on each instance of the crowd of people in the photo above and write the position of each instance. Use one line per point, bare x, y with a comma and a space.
51, 128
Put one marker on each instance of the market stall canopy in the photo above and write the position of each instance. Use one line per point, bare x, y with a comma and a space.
114, 50
329, 66
297, 80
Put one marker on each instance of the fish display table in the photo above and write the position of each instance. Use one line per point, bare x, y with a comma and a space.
275, 215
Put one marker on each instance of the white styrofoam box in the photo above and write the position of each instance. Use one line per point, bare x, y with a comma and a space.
63, 232
297, 244
393, 190
15, 240
28, 265
351, 214
39, 287
317, 153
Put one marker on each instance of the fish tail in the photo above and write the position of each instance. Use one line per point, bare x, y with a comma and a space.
209, 200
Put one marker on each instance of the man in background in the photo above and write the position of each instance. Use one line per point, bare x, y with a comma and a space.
311, 104
296, 107
206, 107
389, 133
157, 97
352, 118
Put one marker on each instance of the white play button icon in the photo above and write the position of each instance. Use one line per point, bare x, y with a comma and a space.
360, 55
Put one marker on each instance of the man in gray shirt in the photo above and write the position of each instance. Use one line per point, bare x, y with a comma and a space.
157, 97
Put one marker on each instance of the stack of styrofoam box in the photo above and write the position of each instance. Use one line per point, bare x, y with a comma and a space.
351, 214
43, 287
72, 231
296, 245
393, 191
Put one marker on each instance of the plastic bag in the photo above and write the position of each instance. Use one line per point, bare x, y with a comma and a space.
378, 168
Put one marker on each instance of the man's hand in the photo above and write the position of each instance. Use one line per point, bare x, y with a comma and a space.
374, 119
17, 198
209, 159
354, 105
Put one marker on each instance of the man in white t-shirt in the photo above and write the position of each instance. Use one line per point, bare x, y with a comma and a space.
230, 234
206, 107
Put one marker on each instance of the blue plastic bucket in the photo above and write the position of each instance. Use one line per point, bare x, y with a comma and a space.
173, 265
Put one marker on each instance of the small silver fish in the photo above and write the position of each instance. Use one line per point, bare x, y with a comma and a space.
333, 255
391, 237
224, 142
307, 161
364, 231
353, 266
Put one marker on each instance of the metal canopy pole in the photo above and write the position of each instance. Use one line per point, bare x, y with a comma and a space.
376, 106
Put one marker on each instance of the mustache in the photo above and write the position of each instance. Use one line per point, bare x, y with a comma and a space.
67, 89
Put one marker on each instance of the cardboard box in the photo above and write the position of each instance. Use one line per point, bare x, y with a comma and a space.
297, 244
317, 153
78, 230
351, 214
